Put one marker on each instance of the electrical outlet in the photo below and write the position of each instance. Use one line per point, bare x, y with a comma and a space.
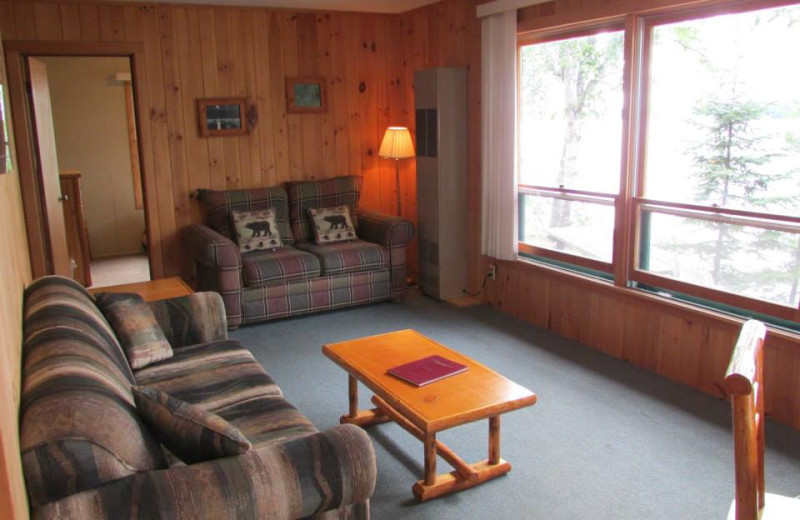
491, 274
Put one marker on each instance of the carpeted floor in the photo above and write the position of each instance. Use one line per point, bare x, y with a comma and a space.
605, 441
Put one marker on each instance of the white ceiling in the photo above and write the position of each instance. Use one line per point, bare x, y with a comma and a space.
367, 6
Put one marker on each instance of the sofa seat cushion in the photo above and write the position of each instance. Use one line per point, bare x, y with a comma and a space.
347, 257
282, 265
214, 375
266, 419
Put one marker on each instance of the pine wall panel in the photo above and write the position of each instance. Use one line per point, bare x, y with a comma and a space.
193, 52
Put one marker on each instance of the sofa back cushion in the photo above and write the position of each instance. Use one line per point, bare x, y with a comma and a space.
218, 206
307, 195
79, 427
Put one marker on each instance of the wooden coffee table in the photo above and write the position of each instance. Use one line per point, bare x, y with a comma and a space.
479, 393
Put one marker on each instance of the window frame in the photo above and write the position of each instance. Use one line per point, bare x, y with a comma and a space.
561, 193
630, 202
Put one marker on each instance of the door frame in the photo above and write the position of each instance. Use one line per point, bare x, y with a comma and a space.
16, 51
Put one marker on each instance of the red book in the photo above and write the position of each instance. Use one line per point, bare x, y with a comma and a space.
427, 370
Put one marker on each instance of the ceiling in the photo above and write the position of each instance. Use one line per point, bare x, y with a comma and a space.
367, 6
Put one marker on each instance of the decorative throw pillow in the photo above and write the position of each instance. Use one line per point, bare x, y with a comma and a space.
332, 224
256, 230
136, 327
187, 430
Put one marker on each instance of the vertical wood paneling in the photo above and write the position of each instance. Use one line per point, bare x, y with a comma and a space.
675, 341
310, 124
90, 23
47, 20
263, 98
25, 20
71, 22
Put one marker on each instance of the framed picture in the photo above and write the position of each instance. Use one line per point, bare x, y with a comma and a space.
221, 117
305, 95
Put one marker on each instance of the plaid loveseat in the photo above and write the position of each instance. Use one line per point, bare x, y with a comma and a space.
86, 452
300, 277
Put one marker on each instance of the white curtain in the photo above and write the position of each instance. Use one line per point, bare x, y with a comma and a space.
499, 173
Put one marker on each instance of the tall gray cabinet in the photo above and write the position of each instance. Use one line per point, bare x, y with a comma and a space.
441, 126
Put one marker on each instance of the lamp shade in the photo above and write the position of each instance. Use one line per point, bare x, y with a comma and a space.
397, 143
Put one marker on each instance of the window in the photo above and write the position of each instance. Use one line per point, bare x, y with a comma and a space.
570, 130
710, 182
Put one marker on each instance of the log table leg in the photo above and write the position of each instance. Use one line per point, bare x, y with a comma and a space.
494, 440
430, 459
360, 417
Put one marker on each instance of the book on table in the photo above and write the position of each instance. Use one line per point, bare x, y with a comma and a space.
427, 370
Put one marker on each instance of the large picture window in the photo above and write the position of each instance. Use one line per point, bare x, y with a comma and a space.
705, 202
570, 130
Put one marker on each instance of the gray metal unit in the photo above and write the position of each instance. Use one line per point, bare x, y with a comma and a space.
441, 128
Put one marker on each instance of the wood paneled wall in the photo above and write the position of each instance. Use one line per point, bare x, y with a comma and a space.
675, 340
15, 274
193, 52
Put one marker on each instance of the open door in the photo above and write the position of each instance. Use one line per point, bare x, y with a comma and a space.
47, 165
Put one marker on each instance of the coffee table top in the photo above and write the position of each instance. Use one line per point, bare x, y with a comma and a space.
476, 394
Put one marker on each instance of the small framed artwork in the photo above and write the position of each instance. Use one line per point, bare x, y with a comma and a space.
305, 95
221, 117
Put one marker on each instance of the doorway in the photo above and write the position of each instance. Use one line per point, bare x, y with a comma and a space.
96, 143
44, 200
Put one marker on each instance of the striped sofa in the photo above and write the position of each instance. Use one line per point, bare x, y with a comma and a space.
87, 454
300, 277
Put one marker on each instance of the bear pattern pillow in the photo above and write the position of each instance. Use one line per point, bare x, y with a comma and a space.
332, 224
256, 230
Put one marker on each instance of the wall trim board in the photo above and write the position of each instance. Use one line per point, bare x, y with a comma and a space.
16, 51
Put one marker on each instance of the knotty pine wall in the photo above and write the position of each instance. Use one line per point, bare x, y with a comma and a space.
193, 52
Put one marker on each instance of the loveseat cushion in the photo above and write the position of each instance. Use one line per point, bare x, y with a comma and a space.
188, 430
219, 204
214, 374
78, 424
305, 195
261, 268
347, 257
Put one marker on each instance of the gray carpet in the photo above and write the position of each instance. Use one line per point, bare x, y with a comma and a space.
605, 441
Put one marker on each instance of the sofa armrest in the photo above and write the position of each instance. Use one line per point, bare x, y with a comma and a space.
386, 230
192, 319
210, 248
294, 479
218, 266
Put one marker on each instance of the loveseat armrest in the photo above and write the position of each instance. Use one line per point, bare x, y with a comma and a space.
386, 230
298, 478
218, 264
192, 319
210, 248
